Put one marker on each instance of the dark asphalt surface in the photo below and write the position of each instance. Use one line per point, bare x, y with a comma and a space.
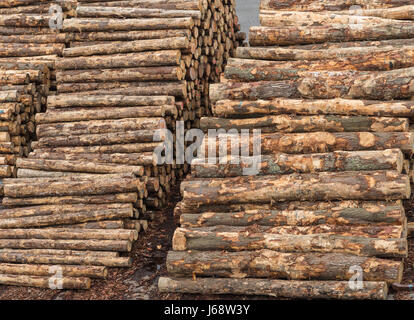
248, 13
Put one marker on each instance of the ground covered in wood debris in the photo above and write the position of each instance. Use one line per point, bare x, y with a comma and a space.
140, 281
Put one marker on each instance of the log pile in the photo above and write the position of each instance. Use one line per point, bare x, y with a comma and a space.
330, 90
119, 71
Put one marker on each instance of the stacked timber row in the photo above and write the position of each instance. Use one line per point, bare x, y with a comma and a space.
332, 101
131, 50
23, 90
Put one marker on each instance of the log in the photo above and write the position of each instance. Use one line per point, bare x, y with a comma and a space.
275, 288
295, 123
280, 163
367, 185
52, 252
312, 142
130, 74
63, 209
68, 218
100, 113
45, 282
89, 260
338, 216
99, 126
176, 43
92, 199
122, 13
130, 35
77, 188
96, 272
177, 89
77, 166
331, 5
293, 35
277, 265
226, 238
241, 109
109, 224
404, 12
69, 234
72, 101
159, 4
115, 148
361, 54
83, 25
383, 85
109, 245
98, 139
129, 60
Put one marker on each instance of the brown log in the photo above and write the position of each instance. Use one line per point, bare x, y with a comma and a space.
99, 126
109, 245
179, 43
45, 270
404, 12
45, 282
322, 186
159, 4
279, 163
275, 288
53, 252
271, 36
312, 142
243, 109
82, 25
384, 85
115, 148
100, 113
73, 100
130, 60
129, 74
295, 123
95, 199
88, 260
332, 5
174, 88
77, 166
130, 35
277, 265
338, 216
227, 238
66, 234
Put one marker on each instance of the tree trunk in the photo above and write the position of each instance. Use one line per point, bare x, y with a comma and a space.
227, 238
275, 288
244, 109
277, 265
45, 282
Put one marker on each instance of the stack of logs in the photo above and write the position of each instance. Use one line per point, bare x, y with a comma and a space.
330, 91
126, 71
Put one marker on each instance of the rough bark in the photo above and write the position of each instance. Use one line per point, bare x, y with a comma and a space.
45, 282
277, 265
275, 288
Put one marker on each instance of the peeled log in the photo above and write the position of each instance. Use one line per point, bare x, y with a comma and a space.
391, 215
293, 35
243, 109
295, 123
312, 142
45, 282
367, 185
44, 270
275, 288
277, 265
280, 163
218, 238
